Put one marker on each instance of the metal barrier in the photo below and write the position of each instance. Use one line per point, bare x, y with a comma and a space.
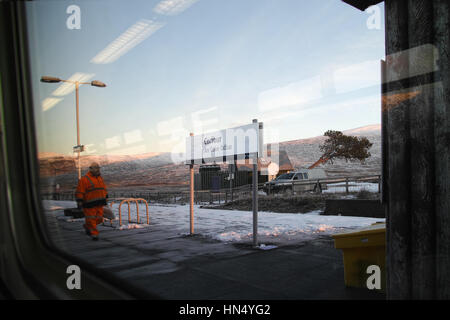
128, 200
181, 195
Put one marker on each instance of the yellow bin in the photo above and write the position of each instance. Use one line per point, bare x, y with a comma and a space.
362, 249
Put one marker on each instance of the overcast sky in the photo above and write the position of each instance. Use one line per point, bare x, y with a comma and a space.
179, 66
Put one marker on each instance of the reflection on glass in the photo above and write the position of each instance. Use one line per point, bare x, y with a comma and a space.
175, 67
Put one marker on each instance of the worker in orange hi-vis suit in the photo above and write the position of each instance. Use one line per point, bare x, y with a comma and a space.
91, 195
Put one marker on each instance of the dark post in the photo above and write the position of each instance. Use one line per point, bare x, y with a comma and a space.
415, 147
417, 112
379, 184
346, 185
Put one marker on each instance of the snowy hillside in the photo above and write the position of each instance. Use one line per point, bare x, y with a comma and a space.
304, 152
156, 169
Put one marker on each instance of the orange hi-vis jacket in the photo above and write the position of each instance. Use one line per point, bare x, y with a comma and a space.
91, 191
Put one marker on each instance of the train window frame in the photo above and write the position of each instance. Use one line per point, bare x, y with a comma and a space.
31, 266
29, 260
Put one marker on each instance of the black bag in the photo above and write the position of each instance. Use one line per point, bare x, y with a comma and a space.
74, 213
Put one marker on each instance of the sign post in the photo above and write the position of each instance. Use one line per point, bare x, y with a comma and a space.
229, 145
191, 172
255, 197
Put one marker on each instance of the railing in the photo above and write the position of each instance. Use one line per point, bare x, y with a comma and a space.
181, 196
347, 180
333, 180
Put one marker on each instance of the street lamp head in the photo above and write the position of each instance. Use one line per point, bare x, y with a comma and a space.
50, 79
97, 83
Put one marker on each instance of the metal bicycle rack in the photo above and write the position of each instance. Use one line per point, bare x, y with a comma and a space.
128, 200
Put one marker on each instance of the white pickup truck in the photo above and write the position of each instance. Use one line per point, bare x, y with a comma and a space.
287, 181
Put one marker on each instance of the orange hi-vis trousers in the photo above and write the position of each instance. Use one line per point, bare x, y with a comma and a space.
93, 217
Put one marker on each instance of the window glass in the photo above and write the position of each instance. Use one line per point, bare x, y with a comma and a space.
285, 176
118, 88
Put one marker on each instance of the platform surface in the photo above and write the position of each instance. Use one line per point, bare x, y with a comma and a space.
180, 266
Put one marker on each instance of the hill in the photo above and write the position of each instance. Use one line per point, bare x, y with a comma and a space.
305, 152
154, 170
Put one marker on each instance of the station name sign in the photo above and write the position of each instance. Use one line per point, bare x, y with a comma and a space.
225, 145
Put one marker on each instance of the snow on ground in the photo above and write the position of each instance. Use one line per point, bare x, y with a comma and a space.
353, 187
228, 225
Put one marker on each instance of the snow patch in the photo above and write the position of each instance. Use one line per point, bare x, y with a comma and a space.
353, 187
314, 213
130, 226
266, 247
234, 225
